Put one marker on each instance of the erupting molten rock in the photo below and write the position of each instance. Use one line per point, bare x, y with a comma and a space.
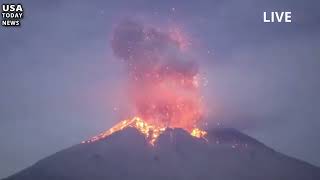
151, 132
163, 80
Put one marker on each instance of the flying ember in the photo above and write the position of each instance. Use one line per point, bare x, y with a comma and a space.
164, 82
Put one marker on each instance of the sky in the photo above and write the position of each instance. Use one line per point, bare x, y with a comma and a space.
59, 79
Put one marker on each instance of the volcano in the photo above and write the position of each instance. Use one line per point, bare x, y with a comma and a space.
225, 154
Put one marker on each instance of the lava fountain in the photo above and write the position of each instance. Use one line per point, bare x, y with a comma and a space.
163, 81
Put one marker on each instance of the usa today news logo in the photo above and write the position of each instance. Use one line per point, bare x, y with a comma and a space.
11, 14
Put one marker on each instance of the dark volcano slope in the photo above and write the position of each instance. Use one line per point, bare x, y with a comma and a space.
226, 155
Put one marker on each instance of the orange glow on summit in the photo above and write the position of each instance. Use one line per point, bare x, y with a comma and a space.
151, 132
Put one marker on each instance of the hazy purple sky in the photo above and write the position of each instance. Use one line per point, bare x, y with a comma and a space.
58, 76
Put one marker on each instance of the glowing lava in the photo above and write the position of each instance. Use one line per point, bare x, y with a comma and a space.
196, 132
151, 132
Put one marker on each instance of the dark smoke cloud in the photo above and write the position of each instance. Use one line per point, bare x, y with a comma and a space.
145, 48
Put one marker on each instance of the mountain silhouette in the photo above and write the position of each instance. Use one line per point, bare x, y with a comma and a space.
225, 154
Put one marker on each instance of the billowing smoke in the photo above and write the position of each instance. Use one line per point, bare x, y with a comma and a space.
163, 79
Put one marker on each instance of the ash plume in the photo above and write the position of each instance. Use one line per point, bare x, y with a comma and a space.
163, 80
143, 47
